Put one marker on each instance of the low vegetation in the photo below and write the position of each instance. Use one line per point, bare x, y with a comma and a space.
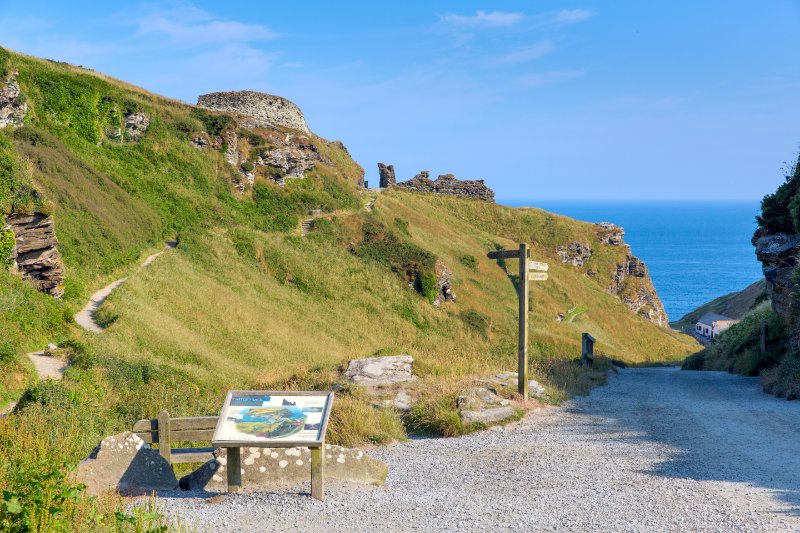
244, 301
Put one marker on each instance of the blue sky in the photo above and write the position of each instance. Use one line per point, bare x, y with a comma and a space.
545, 100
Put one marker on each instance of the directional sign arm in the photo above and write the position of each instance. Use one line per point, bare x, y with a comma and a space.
503, 254
538, 265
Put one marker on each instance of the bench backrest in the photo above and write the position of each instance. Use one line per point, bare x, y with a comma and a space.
165, 430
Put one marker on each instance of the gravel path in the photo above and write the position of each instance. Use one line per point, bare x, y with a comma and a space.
47, 367
656, 450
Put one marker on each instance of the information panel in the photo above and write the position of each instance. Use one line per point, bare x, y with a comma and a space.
273, 419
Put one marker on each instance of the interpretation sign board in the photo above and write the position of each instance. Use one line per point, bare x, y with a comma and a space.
273, 419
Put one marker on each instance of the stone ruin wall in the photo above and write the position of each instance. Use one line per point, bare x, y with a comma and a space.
446, 184
267, 110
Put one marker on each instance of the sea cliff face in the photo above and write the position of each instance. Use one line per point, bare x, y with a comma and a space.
778, 254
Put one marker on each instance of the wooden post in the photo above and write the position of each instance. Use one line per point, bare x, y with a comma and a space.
587, 350
318, 472
763, 336
164, 444
522, 371
234, 465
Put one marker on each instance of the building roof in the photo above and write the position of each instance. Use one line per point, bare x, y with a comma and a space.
710, 318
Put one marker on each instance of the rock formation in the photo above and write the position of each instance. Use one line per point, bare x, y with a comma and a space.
445, 184
630, 281
444, 285
12, 105
387, 176
296, 155
778, 254
267, 110
575, 253
608, 233
136, 125
37, 256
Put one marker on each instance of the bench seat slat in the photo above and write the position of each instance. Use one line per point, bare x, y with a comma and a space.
191, 455
190, 435
197, 422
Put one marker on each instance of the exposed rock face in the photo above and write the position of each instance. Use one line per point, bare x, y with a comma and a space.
444, 284
125, 463
136, 125
375, 371
387, 175
642, 299
608, 233
267, 110
449, 185
778, 254
37, 256
293, 158
12, 108
201, 143
575, 253
268, 468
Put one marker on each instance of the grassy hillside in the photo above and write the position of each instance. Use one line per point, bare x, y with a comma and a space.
245, 301
734, 305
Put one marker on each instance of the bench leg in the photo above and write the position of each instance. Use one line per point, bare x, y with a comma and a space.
234, 466
318, 473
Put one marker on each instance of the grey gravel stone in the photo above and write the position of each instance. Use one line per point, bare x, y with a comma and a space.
655, 450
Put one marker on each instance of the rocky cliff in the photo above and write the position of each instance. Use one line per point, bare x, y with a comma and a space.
445, 184
12, 103
630, 280
36, 254
267, 110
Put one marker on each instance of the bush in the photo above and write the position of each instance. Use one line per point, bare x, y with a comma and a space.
469, 261
214, 123
427, 286
694, 361
7, 243
476, 321
780, 211
247, 166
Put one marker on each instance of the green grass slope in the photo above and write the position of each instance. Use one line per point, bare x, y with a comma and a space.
245, 301
734, 305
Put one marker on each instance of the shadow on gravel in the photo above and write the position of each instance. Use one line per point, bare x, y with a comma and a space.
714, 426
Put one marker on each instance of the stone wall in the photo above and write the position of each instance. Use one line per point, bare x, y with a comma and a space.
37, 257
267, 110
446, 184
387, 175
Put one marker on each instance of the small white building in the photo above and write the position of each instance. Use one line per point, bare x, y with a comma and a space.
711, 325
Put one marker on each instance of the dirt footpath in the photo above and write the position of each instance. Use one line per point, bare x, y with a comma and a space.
656, 450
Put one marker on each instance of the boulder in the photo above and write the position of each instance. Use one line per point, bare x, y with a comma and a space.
402, 402
269, 468
509, 381
375, 371
201, 143
479, 398
37, 255
487, 416
608, 233
124, 463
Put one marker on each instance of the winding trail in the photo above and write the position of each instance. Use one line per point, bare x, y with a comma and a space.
85, 317
657, 449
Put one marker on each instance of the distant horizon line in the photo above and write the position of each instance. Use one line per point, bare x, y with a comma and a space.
533, 202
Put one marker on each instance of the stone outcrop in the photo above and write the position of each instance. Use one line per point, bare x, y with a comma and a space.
12, 105
448, 184
37, 255
608, 233
642, 298
444, 285
126, 464
575, 253
267, 110
201, 143
387, 176
136, 125
269, 468
379, 371
779, 254
293, 158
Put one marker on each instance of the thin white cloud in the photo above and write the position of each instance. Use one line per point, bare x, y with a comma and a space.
572, 16
521, 55
189, 25
493, 19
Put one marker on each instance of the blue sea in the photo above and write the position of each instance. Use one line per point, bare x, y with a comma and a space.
695, 251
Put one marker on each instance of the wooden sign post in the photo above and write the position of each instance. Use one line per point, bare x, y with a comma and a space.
528, 271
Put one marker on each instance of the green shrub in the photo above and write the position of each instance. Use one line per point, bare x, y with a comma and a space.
476, 321
214, 123
402, 225
469, 261
4, 57
427, 286
7, 243
247, 166
694, 361
780, 211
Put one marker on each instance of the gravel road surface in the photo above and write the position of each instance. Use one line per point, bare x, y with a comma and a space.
656, 450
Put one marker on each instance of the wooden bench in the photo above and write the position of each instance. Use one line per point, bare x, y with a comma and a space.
165, 430
587, 350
